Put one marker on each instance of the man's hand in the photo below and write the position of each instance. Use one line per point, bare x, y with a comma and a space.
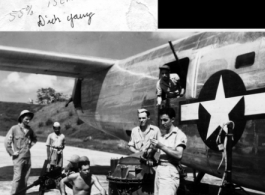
159, 101
156, 143
59, 151
15, 154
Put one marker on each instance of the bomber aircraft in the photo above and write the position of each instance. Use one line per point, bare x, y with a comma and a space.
223, 74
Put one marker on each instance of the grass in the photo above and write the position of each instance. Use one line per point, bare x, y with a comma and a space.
67, 126
79, 121
41, 124
49, 122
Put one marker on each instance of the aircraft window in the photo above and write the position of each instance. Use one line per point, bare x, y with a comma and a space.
245, 60
181, 68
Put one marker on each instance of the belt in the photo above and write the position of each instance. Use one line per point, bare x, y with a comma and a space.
164, 163
56, 148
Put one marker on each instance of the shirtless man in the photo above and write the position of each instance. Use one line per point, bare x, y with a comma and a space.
82, 181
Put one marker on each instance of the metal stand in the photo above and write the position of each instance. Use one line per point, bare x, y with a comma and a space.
227, 186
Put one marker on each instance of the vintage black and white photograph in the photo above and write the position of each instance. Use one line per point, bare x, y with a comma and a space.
132, 112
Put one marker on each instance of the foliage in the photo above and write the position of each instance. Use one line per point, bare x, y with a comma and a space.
71, 113
68, 126
40, 124
49, 122
79, 121
49, 95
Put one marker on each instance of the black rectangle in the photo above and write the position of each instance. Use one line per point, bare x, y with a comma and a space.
207, 15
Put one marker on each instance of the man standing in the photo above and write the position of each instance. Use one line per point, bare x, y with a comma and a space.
141, 135
23, 138
171, 146
55, 144
82, 181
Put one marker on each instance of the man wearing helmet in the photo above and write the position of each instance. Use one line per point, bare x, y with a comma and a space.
72, 166
22, 137
55, 144
82, 181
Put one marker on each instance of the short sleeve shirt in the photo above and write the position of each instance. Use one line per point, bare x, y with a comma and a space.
171, 86
55, 140
173, 139
141, 141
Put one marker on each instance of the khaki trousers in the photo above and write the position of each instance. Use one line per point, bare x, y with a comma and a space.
166, 180
22, 167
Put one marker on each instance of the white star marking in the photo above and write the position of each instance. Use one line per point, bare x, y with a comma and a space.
219, 108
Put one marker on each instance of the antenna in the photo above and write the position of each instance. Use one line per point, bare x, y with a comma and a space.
173, 51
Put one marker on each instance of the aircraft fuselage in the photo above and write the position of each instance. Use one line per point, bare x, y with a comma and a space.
110, 98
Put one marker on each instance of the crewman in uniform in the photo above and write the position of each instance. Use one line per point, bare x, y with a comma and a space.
55, 144
171, 146
168, 86
23, 138
141, 135
82, 181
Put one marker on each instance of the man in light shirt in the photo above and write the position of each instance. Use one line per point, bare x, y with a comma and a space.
22, 137
141, 135
55, 144
171, 146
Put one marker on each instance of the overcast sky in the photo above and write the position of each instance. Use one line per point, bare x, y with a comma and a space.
19, 87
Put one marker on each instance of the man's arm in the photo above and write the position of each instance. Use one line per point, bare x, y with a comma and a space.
132, 149
33, 139
63, 143
131, 143
98, 186
177, 153
48, 152
173, 152
8, 142
158, 93
48, 144
68, 179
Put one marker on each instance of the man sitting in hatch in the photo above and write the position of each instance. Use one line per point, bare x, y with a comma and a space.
168, 86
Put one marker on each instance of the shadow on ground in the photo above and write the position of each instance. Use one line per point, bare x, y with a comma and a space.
33, 193
6, 173
100, 170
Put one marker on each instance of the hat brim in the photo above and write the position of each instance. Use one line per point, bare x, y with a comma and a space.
28, 113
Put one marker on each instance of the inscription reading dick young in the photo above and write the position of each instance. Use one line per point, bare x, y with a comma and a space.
42, 21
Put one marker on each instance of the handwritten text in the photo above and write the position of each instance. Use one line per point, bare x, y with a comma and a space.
42, 21
54, 3
21, 12
72, 17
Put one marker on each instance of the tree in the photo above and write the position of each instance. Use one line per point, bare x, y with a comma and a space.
49, 95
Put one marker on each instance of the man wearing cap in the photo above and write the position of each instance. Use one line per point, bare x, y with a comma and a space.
55, 144
22, 137
171, 146
168, 86
82, 181
72, 166
141, 135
